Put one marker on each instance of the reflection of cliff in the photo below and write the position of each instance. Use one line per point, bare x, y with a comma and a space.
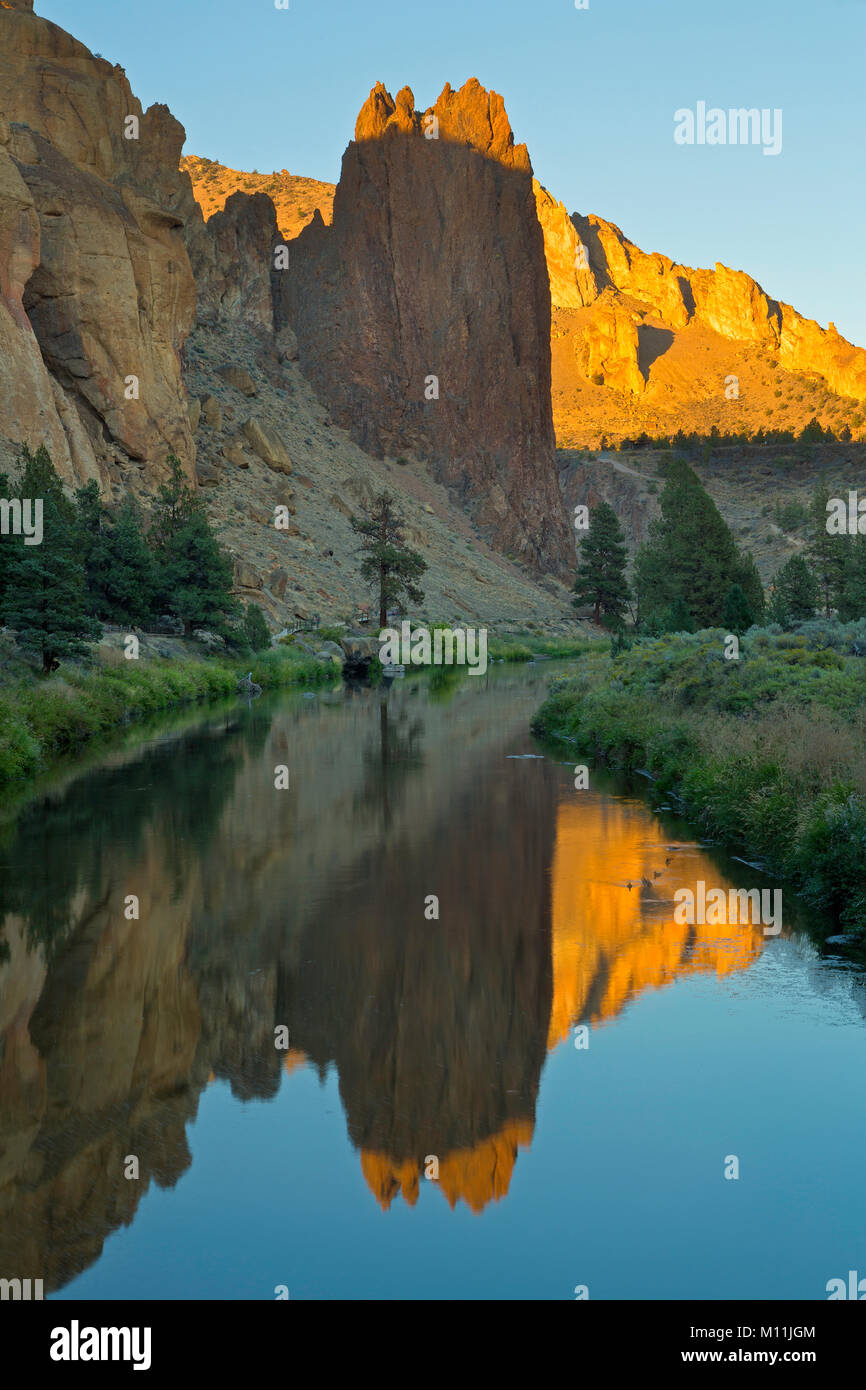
437, 1028
306, 908
477, 1175
611, 941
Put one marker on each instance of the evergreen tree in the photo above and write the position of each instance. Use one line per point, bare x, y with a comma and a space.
601, 567
389, 566
255, 628
738, 616
194, 576
851, 593
5, 541
812, 433
118, 562
125, 568
795, 592
45, 598
826, 552
748, 578
677, 618
691, 554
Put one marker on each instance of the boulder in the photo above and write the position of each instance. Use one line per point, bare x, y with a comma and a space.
267, 445
245, 576
277, 582
207, 474
234, 452
212, 412
239, 379
358, 649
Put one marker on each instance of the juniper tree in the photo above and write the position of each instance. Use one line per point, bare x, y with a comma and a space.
851, 593
389, 566
601, 566
255, 629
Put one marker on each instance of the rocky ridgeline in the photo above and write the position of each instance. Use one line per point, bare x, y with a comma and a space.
408, 324
632, 296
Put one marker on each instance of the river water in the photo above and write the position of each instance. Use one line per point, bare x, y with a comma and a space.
287, 1071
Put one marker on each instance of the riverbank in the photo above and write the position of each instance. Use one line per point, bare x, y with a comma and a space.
766, 753
42, 719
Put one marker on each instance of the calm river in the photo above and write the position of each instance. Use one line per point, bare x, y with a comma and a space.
288, 1070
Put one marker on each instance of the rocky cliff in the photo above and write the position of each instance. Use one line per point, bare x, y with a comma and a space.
96, 290
641, 325
423, 313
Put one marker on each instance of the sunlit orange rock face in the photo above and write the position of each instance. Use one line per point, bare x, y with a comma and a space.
611, 941
682, 333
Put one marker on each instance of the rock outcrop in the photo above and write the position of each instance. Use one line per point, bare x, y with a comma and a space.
728, 302
609, 348
573, 282
94, 272
233, 260
423, 313
295, 199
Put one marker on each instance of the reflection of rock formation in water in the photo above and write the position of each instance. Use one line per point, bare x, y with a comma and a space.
437, 1028
305, 908
611, 941
99, 1019
477, 1175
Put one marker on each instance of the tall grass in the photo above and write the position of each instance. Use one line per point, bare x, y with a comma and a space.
767, 753
43, 719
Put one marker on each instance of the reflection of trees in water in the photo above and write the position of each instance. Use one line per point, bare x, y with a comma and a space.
394, 751
57, 846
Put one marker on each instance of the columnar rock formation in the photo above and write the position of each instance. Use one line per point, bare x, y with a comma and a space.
97, 290
423, 314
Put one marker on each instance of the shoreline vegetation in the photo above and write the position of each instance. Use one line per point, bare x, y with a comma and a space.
765, 753
43, 720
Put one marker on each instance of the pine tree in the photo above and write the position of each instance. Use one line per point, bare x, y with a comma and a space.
45, 598
194, 575
851, 593
826, 552
125, 565
795, 591
389, 566
118, 562
690, 553
601, 567
746, 574
738, 616
5, 542
678, 618
255, 628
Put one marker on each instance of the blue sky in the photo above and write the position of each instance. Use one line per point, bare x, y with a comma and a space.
591, 92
